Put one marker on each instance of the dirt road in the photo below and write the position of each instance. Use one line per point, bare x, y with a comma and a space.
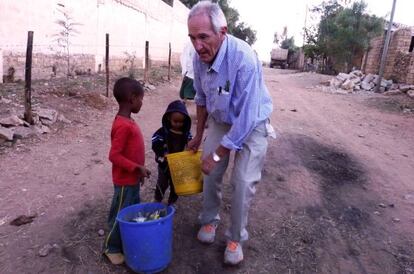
337, 194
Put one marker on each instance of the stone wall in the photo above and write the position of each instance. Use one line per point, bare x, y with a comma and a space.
399, 63
46, 65
130, 23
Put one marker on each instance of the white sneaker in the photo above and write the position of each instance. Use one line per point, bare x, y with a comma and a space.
207, 233
233, 254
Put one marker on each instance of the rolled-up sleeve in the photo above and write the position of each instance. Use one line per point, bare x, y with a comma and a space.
200, 97
247, 108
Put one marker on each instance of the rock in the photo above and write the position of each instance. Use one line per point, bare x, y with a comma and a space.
375, 80
335, 83
46, 122
357, 87
357, 73
395, 86
49, 114
72, 93
12, 121
45, 250
63, 119
396, 220
348, 85
6, 133
342, 76
101, 232
377, 213
23, 132
366, 86
368, 78
393, 92
41, 129
381, 90
408, 196
356, 80
5, 101
22, 220
384, 83
405, 88
8, 144
382, 205
151, 87
410, 93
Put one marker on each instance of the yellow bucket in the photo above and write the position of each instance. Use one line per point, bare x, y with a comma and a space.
185, 169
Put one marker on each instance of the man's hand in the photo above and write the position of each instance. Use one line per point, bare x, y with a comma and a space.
208, 164
194, 143
143, 172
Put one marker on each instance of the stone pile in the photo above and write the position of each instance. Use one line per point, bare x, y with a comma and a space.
13, 127
357, 81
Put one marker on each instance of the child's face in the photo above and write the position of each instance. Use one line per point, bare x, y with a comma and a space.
136, 102
177, 120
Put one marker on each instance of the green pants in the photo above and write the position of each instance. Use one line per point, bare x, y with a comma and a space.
123, 196
187, 90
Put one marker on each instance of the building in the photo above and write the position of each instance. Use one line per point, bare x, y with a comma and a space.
399, 64
129, 23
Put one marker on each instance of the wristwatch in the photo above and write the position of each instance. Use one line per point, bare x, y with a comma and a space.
216, 158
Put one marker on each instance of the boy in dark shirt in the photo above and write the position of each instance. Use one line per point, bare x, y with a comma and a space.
127, 155
172, 137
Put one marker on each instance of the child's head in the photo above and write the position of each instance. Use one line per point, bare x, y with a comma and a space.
176, 120
129, 94
176, 117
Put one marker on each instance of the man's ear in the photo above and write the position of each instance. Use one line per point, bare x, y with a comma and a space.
223, 30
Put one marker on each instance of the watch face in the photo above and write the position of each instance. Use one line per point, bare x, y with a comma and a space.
216, 158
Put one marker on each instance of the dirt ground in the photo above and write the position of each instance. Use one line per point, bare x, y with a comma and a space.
337, 194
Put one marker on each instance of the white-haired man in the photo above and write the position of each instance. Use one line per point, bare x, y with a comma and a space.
231, 92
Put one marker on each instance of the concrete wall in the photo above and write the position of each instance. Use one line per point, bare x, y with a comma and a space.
129, 23
399, 64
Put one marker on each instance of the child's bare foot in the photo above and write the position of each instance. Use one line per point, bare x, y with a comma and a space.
115, 258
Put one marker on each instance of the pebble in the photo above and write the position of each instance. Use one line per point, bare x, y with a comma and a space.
45, 250
377, 213
101, 232
382, 205
396, 220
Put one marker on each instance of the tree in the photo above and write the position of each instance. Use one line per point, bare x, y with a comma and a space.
236, 28
67, 29
343, 34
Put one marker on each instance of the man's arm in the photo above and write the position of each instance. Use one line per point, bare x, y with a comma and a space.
202, 115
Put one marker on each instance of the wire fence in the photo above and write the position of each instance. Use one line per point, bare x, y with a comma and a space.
68, 61
51, 60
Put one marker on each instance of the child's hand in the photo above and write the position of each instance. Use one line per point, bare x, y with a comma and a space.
143, 172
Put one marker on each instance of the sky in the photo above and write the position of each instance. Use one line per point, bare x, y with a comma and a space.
270, 16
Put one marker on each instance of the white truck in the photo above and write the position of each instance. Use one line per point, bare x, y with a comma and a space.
278, 57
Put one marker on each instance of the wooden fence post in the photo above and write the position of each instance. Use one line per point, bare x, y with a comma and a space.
28, 80
169, 61
146, 61
107, 64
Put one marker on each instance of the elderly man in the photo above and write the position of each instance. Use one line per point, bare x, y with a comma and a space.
230, 91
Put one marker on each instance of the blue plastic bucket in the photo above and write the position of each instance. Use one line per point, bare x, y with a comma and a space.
147, 246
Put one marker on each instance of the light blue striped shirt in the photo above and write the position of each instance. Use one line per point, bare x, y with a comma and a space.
233, 90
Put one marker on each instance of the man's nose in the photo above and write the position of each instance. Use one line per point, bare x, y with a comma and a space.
198, 45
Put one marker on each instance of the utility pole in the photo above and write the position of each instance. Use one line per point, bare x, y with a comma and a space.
385, 51
304, 25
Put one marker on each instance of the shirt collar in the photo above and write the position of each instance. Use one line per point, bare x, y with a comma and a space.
220, 56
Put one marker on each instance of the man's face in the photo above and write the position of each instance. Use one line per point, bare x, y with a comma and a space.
206, 42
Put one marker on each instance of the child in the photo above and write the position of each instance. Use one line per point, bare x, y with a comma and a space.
127, 155
172, 137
